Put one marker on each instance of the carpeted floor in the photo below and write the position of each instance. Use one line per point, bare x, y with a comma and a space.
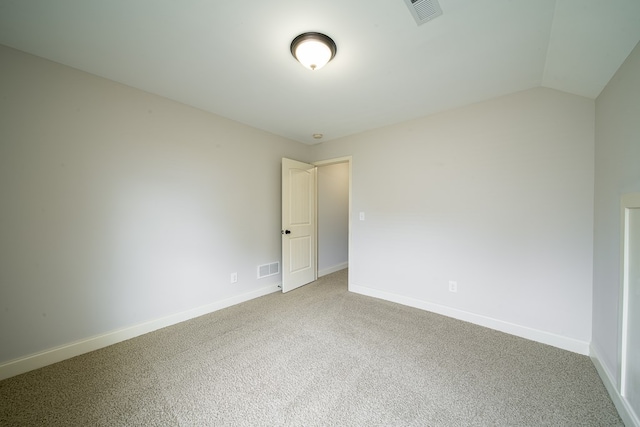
316, 356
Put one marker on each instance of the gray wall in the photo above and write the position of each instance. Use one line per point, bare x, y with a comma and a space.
617, 171
497, 196
120, 207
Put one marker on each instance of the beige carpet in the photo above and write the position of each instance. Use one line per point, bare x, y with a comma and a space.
316, 356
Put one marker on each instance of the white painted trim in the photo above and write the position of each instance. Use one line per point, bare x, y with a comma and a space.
345, 159
67, 351
333, 269
548, 338
627, 201
624, 410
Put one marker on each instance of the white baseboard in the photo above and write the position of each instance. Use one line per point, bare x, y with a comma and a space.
333, 269
67, 351
627, 414
559, 341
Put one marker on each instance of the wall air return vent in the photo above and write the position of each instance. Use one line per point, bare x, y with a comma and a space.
266, 270
424, 10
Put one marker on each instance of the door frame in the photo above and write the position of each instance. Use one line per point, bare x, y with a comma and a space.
627, 202
328, 162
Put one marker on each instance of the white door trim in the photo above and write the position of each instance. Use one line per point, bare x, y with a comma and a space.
628, 202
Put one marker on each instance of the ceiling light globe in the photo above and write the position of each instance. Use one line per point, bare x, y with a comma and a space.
313, 54
313, 50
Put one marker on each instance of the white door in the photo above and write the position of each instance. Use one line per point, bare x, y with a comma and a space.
298, 224
630, 375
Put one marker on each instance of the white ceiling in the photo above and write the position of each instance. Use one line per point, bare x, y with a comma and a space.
232, 57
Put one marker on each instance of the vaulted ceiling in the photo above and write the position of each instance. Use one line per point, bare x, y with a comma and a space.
232, 57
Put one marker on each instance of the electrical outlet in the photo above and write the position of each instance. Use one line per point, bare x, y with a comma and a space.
234, 277
453, 286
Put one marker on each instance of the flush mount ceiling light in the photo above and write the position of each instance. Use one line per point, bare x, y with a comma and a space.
313, 50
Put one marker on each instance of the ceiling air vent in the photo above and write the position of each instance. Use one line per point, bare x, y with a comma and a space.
424, 10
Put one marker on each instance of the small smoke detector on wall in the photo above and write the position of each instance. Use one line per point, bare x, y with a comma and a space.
424, 10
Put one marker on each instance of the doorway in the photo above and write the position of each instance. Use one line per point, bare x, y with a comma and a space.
300, 201
333, 213
630, 303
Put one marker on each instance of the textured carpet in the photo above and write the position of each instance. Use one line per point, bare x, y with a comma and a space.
316, 356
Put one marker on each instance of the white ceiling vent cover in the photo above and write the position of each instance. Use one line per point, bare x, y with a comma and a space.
424, 10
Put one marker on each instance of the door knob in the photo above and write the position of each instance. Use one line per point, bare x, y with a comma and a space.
286, 231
